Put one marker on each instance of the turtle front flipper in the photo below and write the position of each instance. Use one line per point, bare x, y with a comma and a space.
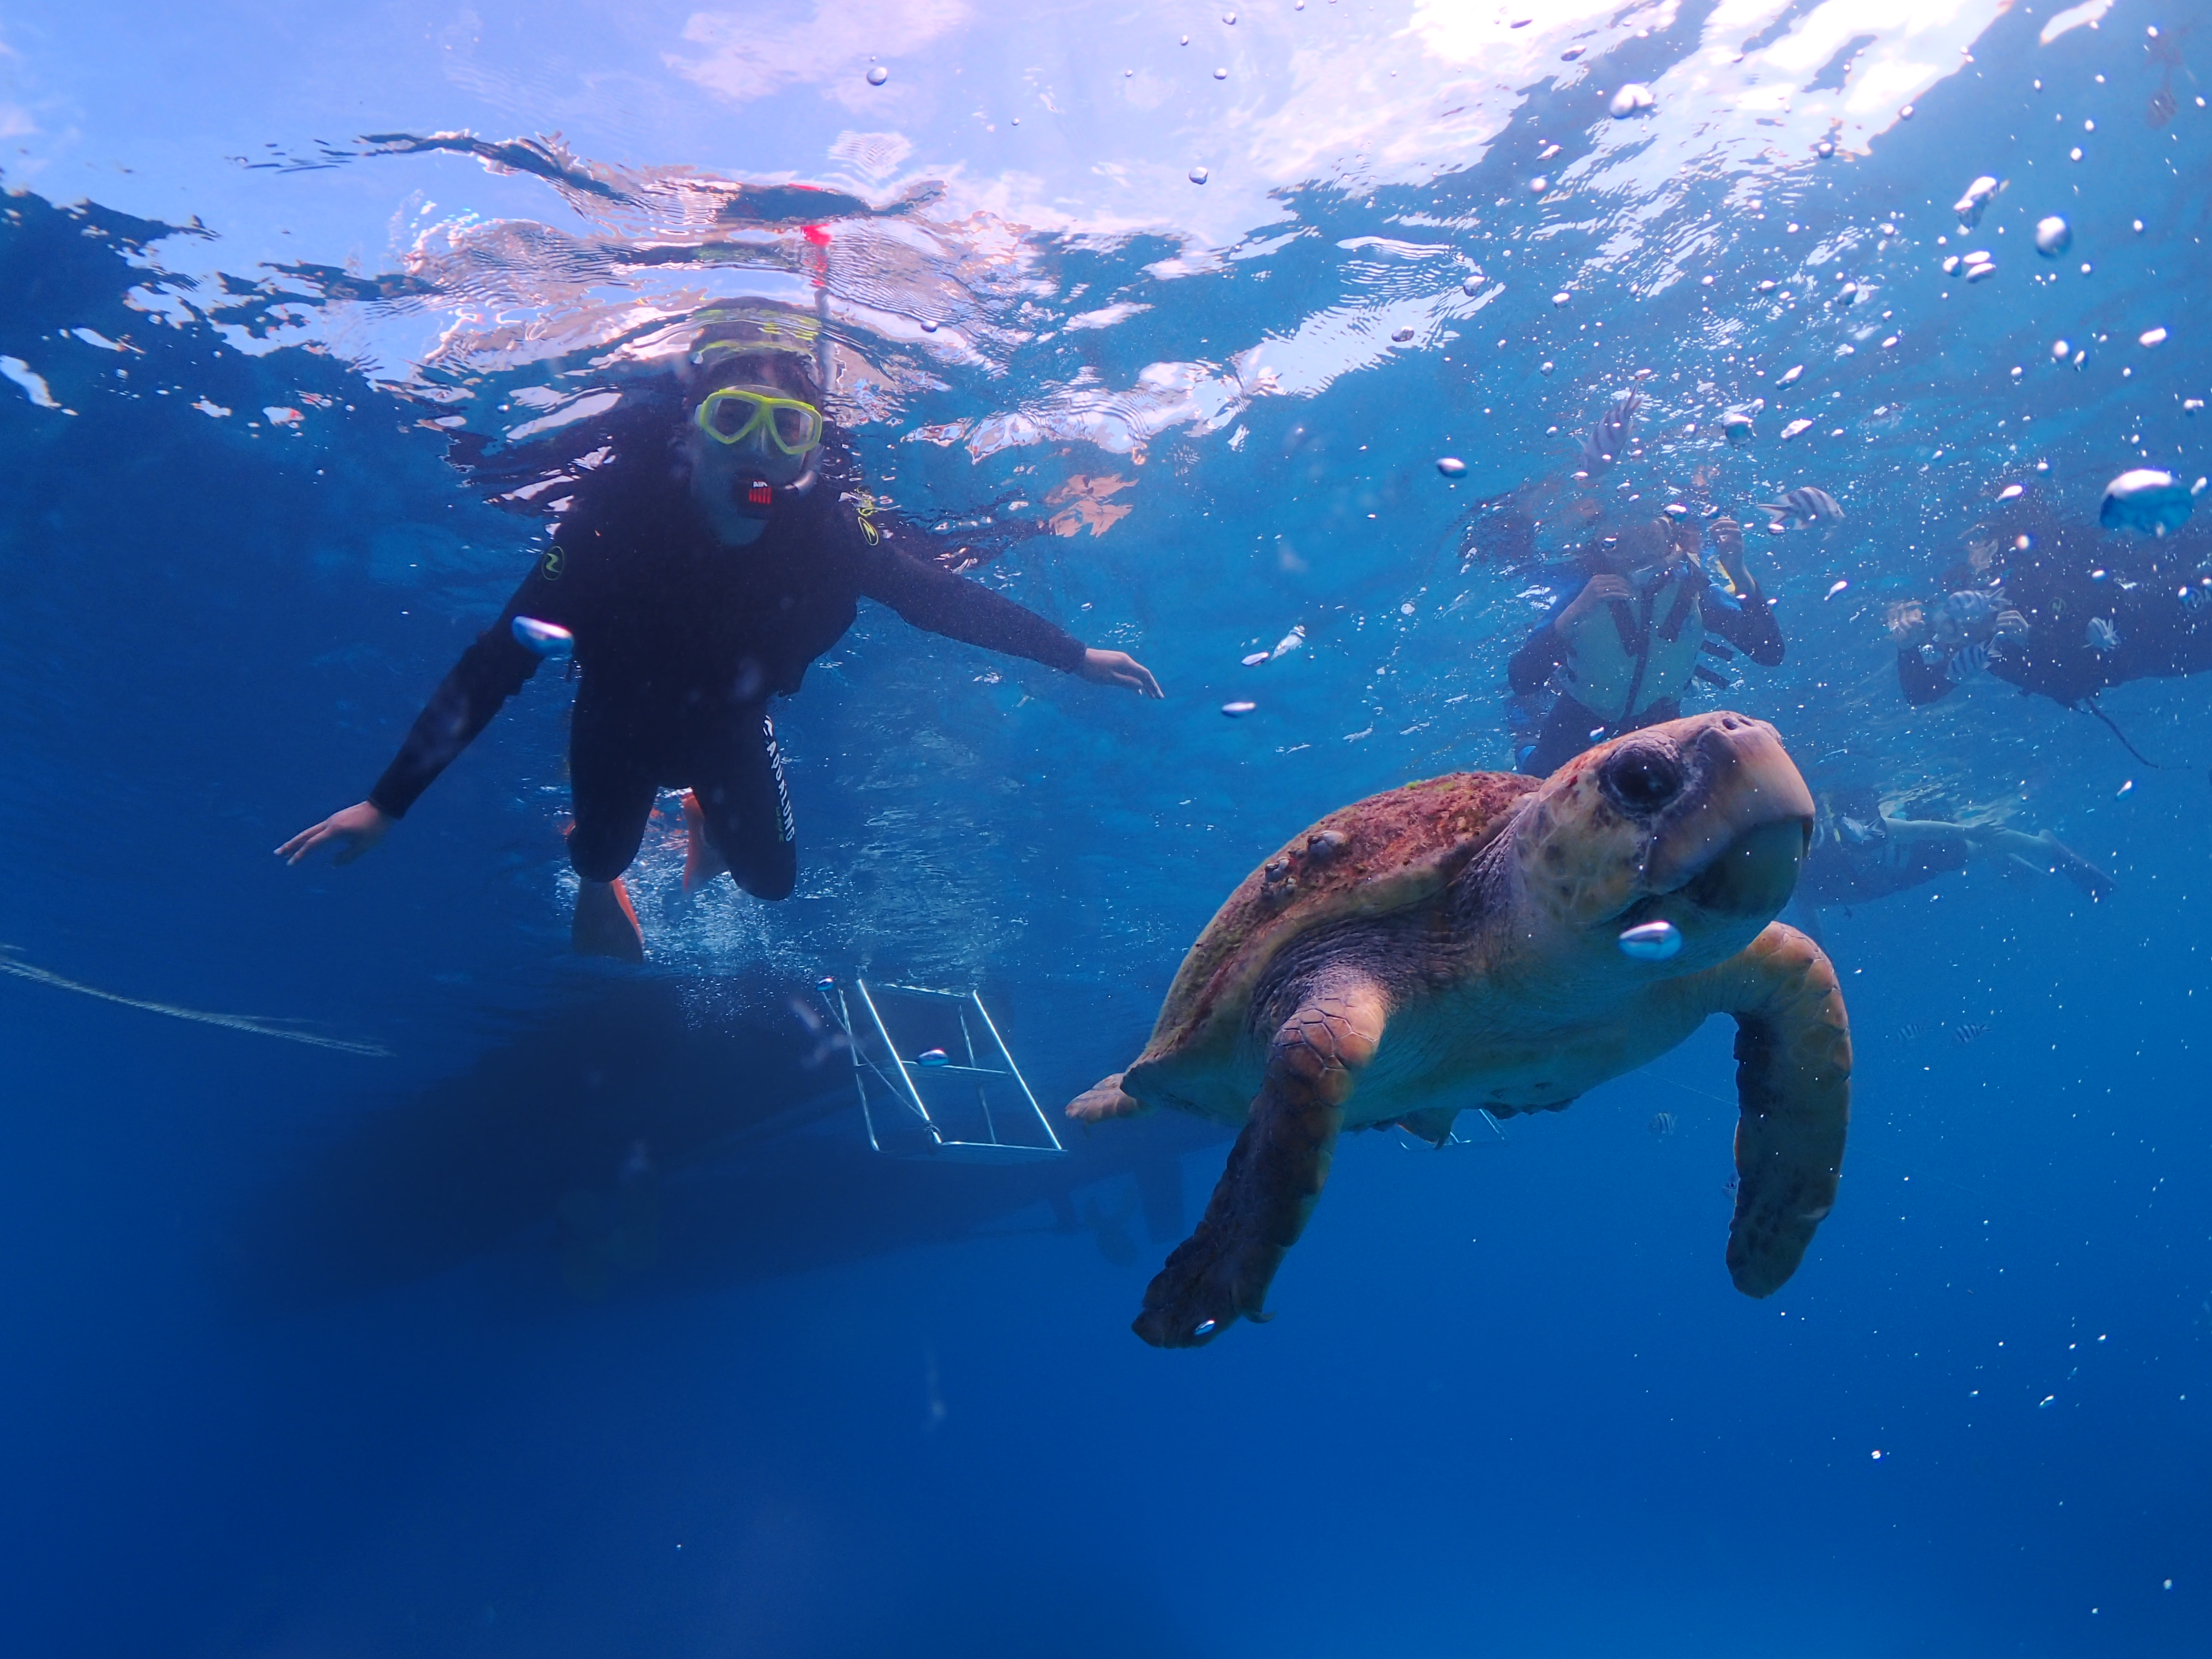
1103, 1099
1221, 1272
1793, 1078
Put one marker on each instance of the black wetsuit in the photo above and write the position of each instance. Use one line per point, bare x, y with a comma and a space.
2161, 635
680, 641
1645, 631
1842, 867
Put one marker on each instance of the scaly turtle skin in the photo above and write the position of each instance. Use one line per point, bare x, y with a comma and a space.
1455, 943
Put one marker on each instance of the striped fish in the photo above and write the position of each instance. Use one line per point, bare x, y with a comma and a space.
1807, 505
1608, 439
1962, 1035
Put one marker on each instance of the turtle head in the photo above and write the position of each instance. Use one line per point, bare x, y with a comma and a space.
1700, 823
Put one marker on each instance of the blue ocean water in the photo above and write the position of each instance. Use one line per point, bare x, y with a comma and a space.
447, 1294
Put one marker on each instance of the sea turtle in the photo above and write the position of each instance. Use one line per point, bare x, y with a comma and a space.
1456, 943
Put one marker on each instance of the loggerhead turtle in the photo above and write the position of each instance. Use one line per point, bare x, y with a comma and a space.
1456, 943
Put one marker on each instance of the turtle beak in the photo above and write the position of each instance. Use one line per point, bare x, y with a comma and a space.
1733, 842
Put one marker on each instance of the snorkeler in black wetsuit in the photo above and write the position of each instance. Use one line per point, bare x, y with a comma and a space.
698, 580
2058, 613
1861, 852
1626, 643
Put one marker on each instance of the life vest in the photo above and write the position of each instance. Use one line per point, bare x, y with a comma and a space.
1623, 657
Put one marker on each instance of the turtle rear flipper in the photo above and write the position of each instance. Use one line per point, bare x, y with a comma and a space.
1793, 1050
1221, 1272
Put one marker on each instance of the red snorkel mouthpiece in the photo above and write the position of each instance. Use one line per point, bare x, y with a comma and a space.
761, 495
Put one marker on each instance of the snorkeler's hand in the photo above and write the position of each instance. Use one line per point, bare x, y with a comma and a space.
1598, 591
1728, 548
354, 831
1120, 668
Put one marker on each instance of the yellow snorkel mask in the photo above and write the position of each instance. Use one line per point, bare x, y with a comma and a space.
732, 414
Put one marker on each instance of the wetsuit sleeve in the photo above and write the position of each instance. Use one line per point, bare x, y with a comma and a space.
1746, 621
1922, 683
489, 672
1528, 669
936, 601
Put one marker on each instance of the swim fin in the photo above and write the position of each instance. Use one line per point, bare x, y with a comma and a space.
702, 860
606, 924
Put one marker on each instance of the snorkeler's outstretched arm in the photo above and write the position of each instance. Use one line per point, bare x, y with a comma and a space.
937, 601
489, 672
2044, 855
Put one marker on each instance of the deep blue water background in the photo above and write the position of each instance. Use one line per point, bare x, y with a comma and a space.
315, 1353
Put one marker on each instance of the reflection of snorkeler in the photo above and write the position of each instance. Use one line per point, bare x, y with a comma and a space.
2060, 616
1624, 644
1860, 853
700, 572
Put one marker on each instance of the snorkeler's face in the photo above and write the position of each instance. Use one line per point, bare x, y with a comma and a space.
1644, 554
757, 458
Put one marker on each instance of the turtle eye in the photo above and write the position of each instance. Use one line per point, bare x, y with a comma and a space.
1643, 778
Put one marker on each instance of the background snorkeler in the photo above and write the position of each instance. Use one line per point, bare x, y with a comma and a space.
722, 546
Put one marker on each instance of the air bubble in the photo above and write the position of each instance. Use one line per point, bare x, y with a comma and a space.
1198, 175
877, 75
1451, 466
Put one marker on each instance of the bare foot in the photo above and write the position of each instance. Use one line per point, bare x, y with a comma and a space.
702, 860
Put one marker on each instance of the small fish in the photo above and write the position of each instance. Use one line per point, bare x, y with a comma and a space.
1962, 1035
547, 639
1254, 658
1290, 642
1910, 1032
1610, 437
932, 1057
1238, 709
1653, 941
1832, 591
2162, 108
1788, 376
1662, 1124
1808, 504
1795, 427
